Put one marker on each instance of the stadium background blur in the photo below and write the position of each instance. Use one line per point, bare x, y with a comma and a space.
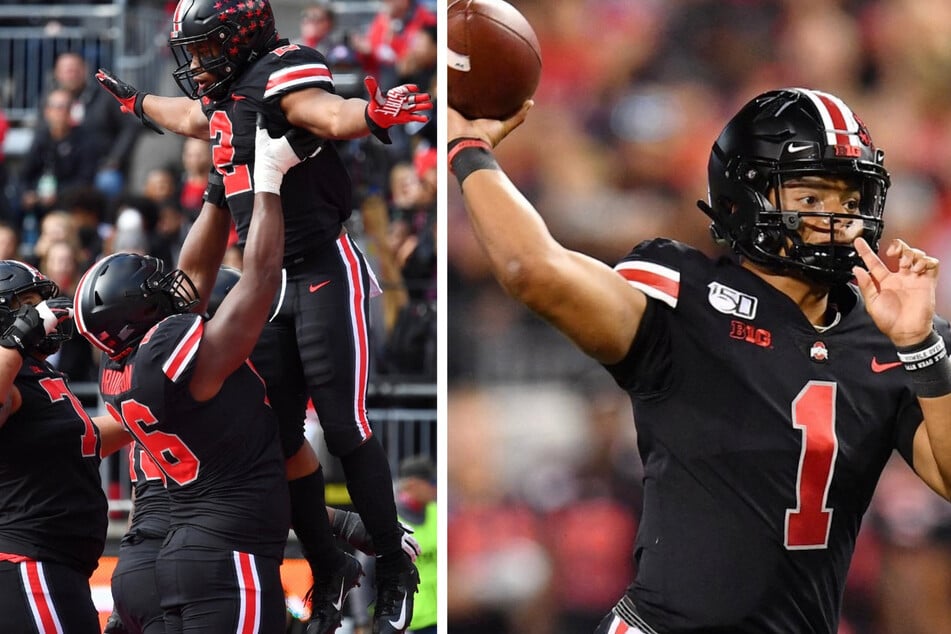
543, 485
149, 208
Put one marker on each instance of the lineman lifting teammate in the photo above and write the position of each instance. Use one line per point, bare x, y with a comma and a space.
768, 392
232, 65
183, 388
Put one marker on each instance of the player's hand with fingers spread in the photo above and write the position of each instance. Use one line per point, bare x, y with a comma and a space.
489, 130
400, 105
901, 302
129, 97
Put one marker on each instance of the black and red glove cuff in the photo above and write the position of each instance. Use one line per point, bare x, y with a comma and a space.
375, 128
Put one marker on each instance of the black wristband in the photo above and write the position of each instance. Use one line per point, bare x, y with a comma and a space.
469, 155
928, 365
215, 190
146, 121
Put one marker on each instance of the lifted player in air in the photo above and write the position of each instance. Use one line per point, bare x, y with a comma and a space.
233, 65
768, 389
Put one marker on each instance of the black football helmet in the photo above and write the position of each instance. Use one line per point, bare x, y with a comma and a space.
17, 278
243, 30
793, 132
227, 277
123, 295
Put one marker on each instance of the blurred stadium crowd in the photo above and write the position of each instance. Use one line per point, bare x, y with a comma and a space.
543, 475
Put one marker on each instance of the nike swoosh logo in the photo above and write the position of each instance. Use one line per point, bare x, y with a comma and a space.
798, 148
235, 97
316, 287
338, 604
400, 623
883, 367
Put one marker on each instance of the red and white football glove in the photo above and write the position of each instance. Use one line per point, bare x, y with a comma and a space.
399, 106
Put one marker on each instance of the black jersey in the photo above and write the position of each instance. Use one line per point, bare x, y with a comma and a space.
220, 459
762, 441
150, 515
316, 194
52, 505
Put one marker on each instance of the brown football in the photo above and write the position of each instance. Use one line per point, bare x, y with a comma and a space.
494, 59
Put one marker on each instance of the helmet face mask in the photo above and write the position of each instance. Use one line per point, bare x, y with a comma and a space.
793, 136
18, 279
124, 295
227, 35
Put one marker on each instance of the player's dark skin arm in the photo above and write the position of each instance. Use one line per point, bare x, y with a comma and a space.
582, 297
231, 334
180, 115
327, 115
112, 435
204, 249
902, 304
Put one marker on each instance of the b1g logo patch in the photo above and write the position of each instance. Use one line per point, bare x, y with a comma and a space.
731, 302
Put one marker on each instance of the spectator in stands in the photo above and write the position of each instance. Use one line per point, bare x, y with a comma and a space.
136, 219
495, 552
914, 529
166, 237
57, 226
61, 263
405, 252
196, 161
416, 506
401, 39
88, 207
5, 206
9, 241
59, 157
318, 30
113, 135
317, 22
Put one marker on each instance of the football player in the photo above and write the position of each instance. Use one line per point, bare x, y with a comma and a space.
183, 388
53, 512
769, 389
232, 65
135, 596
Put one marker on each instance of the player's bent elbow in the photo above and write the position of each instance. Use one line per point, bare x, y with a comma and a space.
526, 277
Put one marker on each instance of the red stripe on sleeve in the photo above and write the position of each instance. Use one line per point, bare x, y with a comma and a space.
653, 280
294, 75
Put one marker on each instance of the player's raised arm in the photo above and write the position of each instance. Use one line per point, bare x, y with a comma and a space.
181, 115
204, 247
581, 296
902, 305
231, 334
333, 117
